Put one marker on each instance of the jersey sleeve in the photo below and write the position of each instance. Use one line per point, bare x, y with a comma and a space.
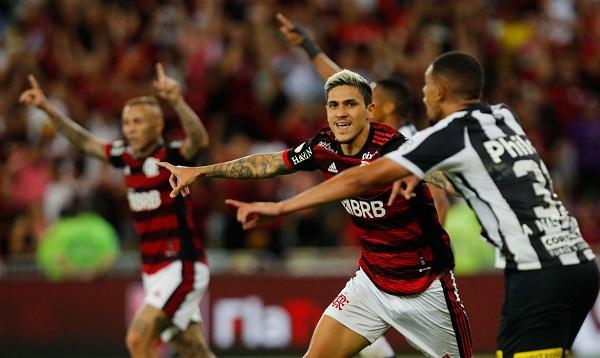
430, 149
302, 156
114, 152
174, 155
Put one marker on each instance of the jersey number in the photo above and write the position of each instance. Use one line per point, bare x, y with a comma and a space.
542, 178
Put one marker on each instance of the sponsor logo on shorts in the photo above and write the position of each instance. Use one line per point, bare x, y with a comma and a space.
340, 301
542, 353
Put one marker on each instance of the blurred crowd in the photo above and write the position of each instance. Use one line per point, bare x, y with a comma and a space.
256, 93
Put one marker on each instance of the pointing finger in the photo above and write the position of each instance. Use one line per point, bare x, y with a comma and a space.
33, 82
160, 71
284, 21
168, 166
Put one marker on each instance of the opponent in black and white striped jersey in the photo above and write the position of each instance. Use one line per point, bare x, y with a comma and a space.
488, 157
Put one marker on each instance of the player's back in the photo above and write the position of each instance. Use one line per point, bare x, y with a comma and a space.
504, 180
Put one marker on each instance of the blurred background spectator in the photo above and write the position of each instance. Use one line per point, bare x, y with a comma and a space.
255, 93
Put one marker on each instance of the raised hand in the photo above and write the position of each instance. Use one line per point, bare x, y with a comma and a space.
290, 30
181, 178
250, 215
34, 96
166, 87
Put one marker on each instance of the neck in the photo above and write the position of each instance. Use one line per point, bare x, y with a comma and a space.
356, 145
147, 150
457, 105
395, 121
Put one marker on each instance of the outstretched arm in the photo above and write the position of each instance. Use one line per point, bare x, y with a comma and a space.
264, 165
297, 36
77, 135
351, 182
196, 134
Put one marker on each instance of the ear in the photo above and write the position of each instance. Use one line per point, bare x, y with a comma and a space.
371, 111
388, 107
442, 92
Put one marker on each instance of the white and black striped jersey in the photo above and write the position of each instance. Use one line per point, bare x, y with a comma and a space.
485, 153
408, 130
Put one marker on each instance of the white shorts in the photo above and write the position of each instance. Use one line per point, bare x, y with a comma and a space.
433, 321
177, 290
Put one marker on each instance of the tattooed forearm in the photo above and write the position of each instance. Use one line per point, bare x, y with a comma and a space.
438, 179
250, 167
77, 135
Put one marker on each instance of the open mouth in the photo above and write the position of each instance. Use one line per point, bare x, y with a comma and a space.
343, 125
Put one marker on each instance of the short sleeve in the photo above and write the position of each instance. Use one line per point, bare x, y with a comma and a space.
174, 155
302, 156
114, 152
430, 148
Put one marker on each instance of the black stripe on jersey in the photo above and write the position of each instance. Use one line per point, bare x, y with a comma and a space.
156, 259
188, 250
416, 243
430, 153
160, 235
163, 210
164, 186
504, 249
402, 272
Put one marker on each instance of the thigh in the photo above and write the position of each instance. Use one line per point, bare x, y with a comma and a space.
356, 307
148, 323
434, 321
177, 290
331, 339
535, 317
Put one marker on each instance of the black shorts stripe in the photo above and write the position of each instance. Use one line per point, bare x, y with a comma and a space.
458, 315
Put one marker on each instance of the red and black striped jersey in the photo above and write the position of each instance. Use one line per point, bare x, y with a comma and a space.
404, 247
164, 224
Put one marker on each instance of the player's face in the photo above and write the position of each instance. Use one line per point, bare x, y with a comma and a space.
141, 126
432, 94
347, 115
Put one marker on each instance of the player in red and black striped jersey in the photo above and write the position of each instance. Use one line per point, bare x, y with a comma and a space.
404, 279
403, 245
174, 270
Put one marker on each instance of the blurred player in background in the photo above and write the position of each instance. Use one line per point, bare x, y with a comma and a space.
174, 269
551, 273
404, 278
391, 96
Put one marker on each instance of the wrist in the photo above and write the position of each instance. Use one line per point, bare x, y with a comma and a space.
308, 44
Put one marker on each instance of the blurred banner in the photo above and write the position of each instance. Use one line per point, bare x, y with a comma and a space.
257, 314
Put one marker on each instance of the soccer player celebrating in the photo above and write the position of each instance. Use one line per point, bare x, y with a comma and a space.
551, 274
391, 97
175, 274
404, 279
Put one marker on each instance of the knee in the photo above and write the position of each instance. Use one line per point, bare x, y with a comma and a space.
136, 344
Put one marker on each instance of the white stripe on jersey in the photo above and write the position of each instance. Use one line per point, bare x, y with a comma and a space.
509, 118
408, 130
487, 122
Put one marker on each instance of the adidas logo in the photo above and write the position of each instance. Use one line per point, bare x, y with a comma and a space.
332, 168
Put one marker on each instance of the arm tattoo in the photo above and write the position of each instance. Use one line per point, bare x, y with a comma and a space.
436, 178
251, 167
